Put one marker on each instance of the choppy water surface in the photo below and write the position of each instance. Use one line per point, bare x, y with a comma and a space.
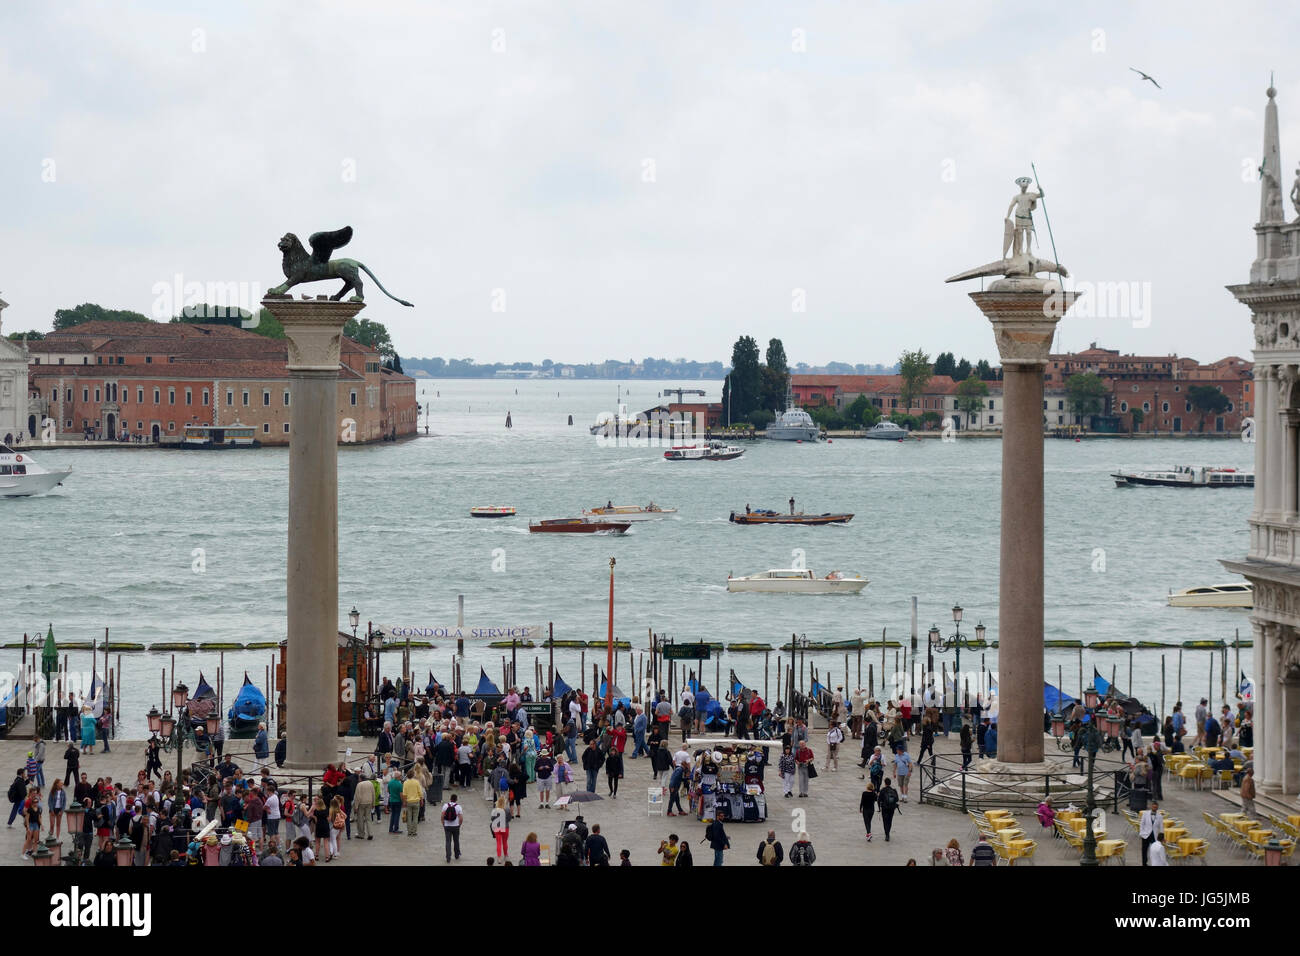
116, 546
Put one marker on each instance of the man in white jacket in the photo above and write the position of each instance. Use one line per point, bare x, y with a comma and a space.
1151, 827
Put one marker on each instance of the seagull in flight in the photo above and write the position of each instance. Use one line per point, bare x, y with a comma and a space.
1144, 76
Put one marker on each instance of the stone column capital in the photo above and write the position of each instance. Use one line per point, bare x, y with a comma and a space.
313, 329
1024, 321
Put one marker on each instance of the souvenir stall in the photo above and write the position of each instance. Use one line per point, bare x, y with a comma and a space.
728, 775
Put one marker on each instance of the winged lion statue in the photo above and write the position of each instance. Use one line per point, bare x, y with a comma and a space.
299, 266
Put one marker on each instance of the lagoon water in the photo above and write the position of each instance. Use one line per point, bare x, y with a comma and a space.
116, 546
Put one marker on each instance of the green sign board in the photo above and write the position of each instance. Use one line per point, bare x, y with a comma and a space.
539, 707
687, 652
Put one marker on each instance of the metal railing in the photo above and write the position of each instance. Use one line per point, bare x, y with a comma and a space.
993, 793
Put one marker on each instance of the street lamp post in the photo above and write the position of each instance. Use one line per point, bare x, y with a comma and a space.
1092, 742
938, 643
354, 619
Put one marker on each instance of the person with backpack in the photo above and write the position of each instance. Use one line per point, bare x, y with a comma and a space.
452, 818
876, 768
802, 853
17, 794
867, 805
834, 737
770, 852
888, 803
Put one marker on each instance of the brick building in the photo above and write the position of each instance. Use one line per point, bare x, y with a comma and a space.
153, 379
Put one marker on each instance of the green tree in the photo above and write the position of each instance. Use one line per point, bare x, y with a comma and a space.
776, 376
394, 363
1208, 400
746, 379
945, 364
373, 334
89, 312
915, 370
962, 371
971, 394
1138, 415
31, 336
760, 418
827, 417
930, 418
1085, 394
858, 409
985, 371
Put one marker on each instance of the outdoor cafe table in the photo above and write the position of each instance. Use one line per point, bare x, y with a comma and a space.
1293, 819
994, 814
1188, 844
1002, 823
1173, 834
1231, 818
1244, 825
1258, 836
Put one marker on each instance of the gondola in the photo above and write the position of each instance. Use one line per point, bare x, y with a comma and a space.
249, 707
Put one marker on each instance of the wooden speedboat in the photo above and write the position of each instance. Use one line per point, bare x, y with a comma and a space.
577, 526
798, 581
777, 517
1241, 594
492, 511
613, 512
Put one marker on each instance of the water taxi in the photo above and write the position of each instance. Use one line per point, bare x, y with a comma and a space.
887, 431
1240, 594
21, 477
492, 511
650, 512
710, 451
798, 581
576, 526
1184, 476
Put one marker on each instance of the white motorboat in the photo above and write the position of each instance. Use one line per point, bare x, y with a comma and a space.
1184, 476
793, 424
798, 581
1241, 594
20, 476
613, 512
887, 431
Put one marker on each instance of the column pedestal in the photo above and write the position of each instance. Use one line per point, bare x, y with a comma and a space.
1024, 313
313, 328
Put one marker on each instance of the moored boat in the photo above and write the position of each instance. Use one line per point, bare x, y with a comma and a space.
249, 707
1240, 594
577, 526
793, 424
887, 431
1185, 476
492, 511
20, 476
217, 436
613, 512
709, 451
777, 517
798, 581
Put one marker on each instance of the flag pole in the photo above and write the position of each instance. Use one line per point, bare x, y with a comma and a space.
609, 666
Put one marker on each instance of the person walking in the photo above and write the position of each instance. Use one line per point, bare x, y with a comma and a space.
1157, 759
596, 848
261, 748
834, 737
532, 851
38, 751
785, 766
804, 758
592, 760
888, 803
545, 769
452, 818
363, 804
716, 834
394, 790
320, 815
903, 772
58, 802
613, 771
867, 806
927, 739
500, 825
965, 737
338, 821
1248, 791
674, 790
983, 853
1156, 852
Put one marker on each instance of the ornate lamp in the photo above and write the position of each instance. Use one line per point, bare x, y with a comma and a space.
936, 644
377, 640
55, 846
1091, 698
956, 613
1058, 726
980, 631
180, 696
212, 724
168, 723
125, 851
354, 619
1273, 853
155, 720
42, 856
74, 813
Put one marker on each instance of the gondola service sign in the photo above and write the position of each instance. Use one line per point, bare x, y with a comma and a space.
501, 632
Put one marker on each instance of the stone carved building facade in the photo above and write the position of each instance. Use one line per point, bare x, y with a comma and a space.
15, 418
1273, 564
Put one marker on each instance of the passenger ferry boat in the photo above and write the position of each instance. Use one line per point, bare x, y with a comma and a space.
1184, 476
710, 451
798, 581
1241, 594
21, 477
611, 511
219, 436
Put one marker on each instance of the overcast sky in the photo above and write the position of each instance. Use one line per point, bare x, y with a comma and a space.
646, 179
